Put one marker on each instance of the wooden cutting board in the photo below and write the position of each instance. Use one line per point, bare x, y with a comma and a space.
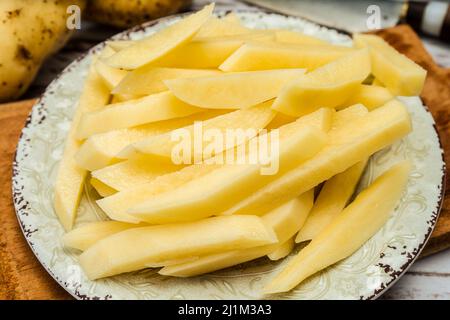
21, 275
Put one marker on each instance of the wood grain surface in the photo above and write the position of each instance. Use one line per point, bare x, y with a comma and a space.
21, 275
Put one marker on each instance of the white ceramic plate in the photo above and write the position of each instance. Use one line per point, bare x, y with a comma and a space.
364, 275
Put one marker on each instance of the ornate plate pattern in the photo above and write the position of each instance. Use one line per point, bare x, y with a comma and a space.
364, 275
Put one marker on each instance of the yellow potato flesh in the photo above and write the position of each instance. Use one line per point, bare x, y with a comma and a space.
116, 98
117, 205
377, 82
347, 115
136, 248
70, 177
232, 91
370, 96
348, 231
100, 150
285, 220
156, 107
293, 37
161, 43
110, 76
85, 236
282, 250
279, 120
217, 191
327, 86
130, 173
207, 53
399, 74
347, 146
227, 26
332, 199
101, 188
161, 147
148, 79
263, 56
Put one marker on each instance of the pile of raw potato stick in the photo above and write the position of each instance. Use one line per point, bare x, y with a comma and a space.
331, 106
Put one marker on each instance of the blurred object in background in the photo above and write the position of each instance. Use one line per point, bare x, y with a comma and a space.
128, 13
429, 17
30, 31
33, 30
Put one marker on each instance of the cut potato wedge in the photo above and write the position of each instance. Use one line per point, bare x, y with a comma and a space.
116, 98
85, 236
136, 248
279, 120
284, 220
402, 76
110, 76
377, 82
232, 91
160, 43
101, 188
217, 191
332, 199
347, 115
131, 173
160, 148
347, 146
100, 150
156, 107
227, 26
370, 96
70, 177
264, 56
207, 53
149, 80
282, 250
117, 205
348, 231
294, 37
327, 86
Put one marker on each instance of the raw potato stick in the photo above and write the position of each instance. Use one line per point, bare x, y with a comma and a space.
332, 199
136, 248
70, 178
285, 220
348, 231
348, 145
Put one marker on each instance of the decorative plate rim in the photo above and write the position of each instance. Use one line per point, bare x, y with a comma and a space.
17, 199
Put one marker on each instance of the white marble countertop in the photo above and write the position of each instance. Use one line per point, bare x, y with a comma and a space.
428, 278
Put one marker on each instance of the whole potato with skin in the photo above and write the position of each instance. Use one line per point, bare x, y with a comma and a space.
30, 30
128, 13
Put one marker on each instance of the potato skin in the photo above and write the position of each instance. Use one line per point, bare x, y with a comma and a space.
30, 30
128, 13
